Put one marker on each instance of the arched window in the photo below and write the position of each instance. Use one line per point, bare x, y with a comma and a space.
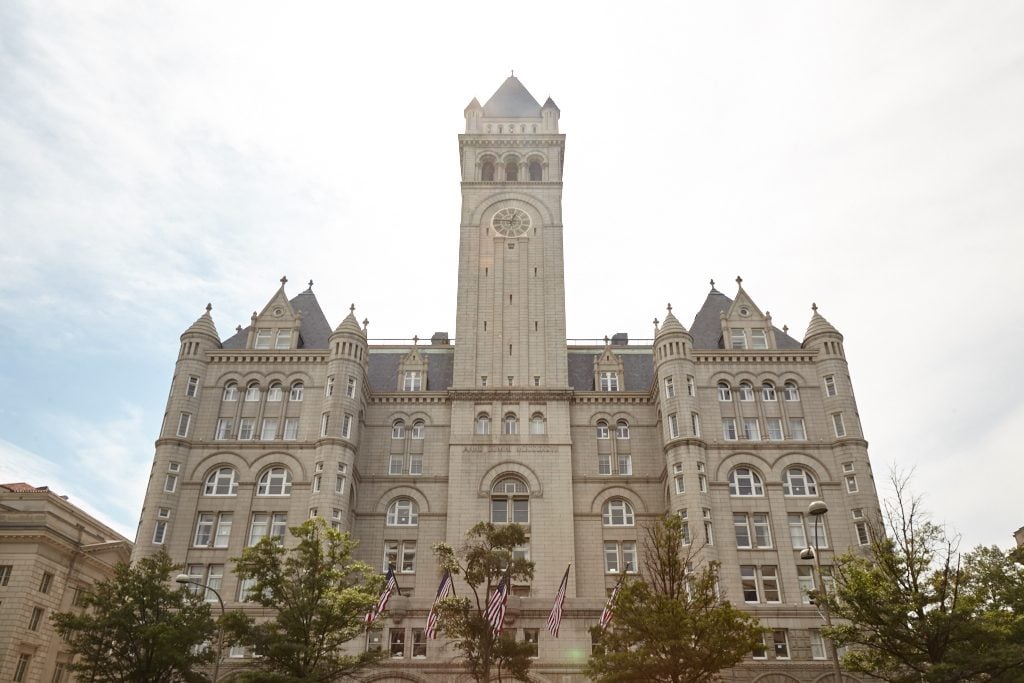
536, 171
744, 481
223, 481
796, 481
483, 424
277, 481
724, 392
512, 170
790, 392
487, 171
621, 429
510, 425
252, 392
230, 391
418, 429
510, 501
537, 425
398, 429
746, 391
274, 392
296, 392
768, 392
602, 430
403, 512
617, 513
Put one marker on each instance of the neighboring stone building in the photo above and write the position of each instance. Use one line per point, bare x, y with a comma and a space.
734, 424
50, 551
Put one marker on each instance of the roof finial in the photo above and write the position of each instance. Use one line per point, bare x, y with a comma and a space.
606, 340
238, 329
669, 306
284, 280
209, 307
656, 322
311, 284
785, 329
814, 307
513, 73
366, 323
712, 283
739, 280
352, 308
415, 339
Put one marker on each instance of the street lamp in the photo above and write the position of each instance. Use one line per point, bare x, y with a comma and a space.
816, 509
184, 579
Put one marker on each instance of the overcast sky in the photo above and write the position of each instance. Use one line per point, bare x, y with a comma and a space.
867, 156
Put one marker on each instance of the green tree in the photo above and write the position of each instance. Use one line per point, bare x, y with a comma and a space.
139, 627
320, 596
487, 556
916, 610
670, 624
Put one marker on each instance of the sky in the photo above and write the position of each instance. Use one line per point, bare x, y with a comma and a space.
865, 155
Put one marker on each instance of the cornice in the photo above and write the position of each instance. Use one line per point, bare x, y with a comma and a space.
498, 141
486, 395
770, 356
634, 397
261, 356
410, 397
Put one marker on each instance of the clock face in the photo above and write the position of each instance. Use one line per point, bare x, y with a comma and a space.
509, 222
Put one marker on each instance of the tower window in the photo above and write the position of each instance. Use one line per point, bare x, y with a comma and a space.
535, 171
511, 171
487, 172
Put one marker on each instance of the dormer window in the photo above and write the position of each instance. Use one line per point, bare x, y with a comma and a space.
284, 339
758, 339
413, 381
609, 381
263, 338
738, 338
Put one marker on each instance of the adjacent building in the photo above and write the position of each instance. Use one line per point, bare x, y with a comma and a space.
731, 423
50, 551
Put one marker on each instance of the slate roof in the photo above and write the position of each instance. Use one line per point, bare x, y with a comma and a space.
706, 329
512, 100
637, 367
384, 367
314, 332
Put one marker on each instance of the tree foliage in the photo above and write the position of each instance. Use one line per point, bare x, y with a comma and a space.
670, 624
321, 597
917, 610
485, 558
139, 627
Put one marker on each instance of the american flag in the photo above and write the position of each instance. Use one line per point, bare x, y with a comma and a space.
606, 615
382, 601
495, 613
555, 618
443, 591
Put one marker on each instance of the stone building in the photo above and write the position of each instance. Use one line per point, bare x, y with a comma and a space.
732, 423
50, 551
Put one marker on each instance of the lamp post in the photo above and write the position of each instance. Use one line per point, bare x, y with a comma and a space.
184, 579
816, 509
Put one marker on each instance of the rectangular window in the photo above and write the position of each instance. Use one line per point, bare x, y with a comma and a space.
758, 339
851, 483
224, 426
325, 422
805, 580
170, 483
336, 519
738, 338
796, 429
774, 425
173, 466
708, 535
609, 381
373, 639
415, 464
59, 673
760, 651
847, 467
192, 387
686, 527
245, 589
350, 388
611, 558
291, 428
742, 527
263, 339
236, 652
329, 387
395, 463
412, 381
37, 616
483, 380
390, 556
419, 643
531, 636
691, 386
284, 340
770, 584
604, 463
269, 431
748, 581
629, 563
762, 530
396, 643
780, 641
258, 528
830, 385
837, 424
214, 581
204, 530
863, 538
751, 429
816, 532
278, 526
195, 574
339, 481
673, 427
680, 484
670, 388
183, 421
223, 534
159, 533
346, 426
625, 464
695, 423
246, 428
702, 482
21, 668
817, 644
728, 429
797, 533
408, 557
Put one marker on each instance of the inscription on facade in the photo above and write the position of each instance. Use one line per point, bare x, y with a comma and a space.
509, 449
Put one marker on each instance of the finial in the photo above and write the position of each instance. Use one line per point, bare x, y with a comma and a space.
712, 283
606, 340
238, 329
352, 308
785, 329
209, 307
311, 284
513, 73
656, 321
814, 307
669, 307
366, 322
415, 339
284, 280
739, 280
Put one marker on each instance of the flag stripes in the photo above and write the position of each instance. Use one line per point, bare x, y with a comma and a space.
606, 615
555, 618
443, 591
495, 612
382, 602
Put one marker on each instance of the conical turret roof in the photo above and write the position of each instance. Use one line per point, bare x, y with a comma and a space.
349, 325
671, 324
204, 325
819, 325
512, 100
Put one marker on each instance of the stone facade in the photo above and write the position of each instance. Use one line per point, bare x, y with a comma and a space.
49, 552
732, 423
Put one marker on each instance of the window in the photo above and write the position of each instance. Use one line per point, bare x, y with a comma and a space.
336, 519
774, 425
339, 481
400, 556
695, 423
263, 339
535, 175
252, 392
625, 464
223, 533
230, 392
531, 636
863, 538
325, 423
350, 388
236, 652
419, 643
670, 388
277, 481
617, 513
373, 639
412, 381
796, 481
742, 526
680, 484
851, 483
762, 533
329, 387
806, 534
346, 426
5, 573
37, 616
170, 483
724, 392
746, 391
214, 580
483, 380
609, 381
604, 463
673, 427
780, 641
796, 429
284, 340
770, 584
510, 425
396, 642
274, 392
729, 429
620, 557
296, 391
691, 386
159, 533
487, 172
744, 481
483, 424
748, 582
418, 429
21, 668
847, 467
797, 532
204, 530
760, 651
817, 644
415, 463
224, 426
183, 421
686, 526
510, 501
768, 392
708, 535
396, 461
602, 430
805, 581
837, 424
269, 430
221, 482
511, 168
246, 428
272, 524
758, 339
59, 673
291, 428
751, 429
403, 512
760, 584
621, 429
790, 391
762, 530
173, 466
537, 425
830, 385
737, 338
192, 387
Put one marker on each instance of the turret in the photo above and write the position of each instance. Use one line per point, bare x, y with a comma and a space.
474, 112
550, 113
834, 383
189, 374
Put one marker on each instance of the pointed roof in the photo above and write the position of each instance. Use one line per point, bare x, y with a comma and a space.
819, 325
512, 100
706, 329
473, 104
314, 330
349, 324
204, 325
550, 104
671, 324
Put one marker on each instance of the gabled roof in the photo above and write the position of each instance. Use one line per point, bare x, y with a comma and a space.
706, 329
313, 333
512, 100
